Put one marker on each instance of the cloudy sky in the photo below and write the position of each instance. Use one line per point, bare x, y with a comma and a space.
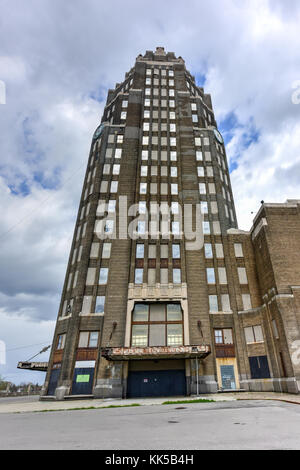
57, 60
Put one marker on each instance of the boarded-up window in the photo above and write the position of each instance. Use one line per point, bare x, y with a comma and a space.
242, 276
222, 276
238, 250
86, 304
225, 303
151, 276
164, 277
90, 278
246, 298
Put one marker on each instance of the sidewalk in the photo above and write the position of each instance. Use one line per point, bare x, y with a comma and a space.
39, 406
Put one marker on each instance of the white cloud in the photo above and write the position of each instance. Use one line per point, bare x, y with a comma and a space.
58, 56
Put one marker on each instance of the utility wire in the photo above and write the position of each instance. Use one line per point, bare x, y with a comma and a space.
29, 346
51, 196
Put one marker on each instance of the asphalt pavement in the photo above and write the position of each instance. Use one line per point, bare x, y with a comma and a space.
257, 424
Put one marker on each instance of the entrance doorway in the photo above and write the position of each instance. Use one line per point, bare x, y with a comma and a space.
156, 379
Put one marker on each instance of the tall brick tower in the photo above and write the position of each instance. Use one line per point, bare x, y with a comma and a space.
146, 309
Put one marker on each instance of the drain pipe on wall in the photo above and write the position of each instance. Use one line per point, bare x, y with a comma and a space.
197, 376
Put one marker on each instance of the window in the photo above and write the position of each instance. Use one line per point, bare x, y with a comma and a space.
222, 275
140, 250
164, 171
88, 339
109, 226
114, 187
242, 276
164, 276
173, 171
217, 228
211, 188
213, 303
144, 154
173, 156
210, 273
106, 250
106, 169
100, 302
254, 334
223, 336
199, 156
174, 208
246, 298
174, 188
219, 250
103, 186
200, 171
142, 207
138, 276
204, 207
111, 205
202, 188
206, 228
238, 250
116, 169
177, 276
86, 304
118, 153
90, 278
225, 303
157, 325
143, 188
175, 228
61, 342
123, 115
103, 276
141, 227
144, 170
175, 251
208, 250
194, 118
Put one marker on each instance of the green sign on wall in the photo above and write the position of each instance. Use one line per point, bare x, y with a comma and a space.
83, 378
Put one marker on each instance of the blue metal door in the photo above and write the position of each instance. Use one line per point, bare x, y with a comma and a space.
156, 383
53, 381
83, 381
228, 377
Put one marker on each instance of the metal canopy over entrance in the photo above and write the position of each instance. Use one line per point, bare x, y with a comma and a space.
157, 352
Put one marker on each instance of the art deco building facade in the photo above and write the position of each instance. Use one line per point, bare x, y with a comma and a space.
147, 310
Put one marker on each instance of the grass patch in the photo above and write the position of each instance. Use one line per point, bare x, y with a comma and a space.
87, 408
198, 400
